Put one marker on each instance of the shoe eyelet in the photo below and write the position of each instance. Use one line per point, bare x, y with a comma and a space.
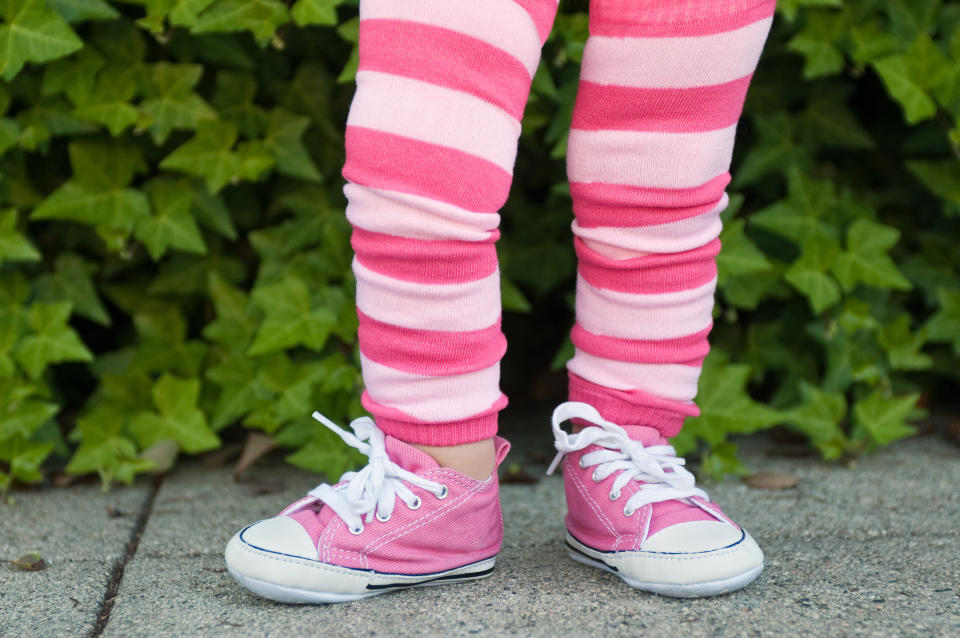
580, 463
614, 496
595, 478
356, 530
628, 512
416, 504
382, 519
443, 492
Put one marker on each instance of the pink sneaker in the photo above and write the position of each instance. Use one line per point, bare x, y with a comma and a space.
633, 510
402, 521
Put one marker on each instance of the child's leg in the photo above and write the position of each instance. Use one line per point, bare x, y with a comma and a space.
430, 144
661, 89
430, 147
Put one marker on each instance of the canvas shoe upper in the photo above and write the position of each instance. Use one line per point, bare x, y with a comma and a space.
401, 521
634, 510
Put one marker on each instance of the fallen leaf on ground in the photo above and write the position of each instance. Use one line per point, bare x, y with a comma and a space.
771, 481
257, 445
163, 454
30, 563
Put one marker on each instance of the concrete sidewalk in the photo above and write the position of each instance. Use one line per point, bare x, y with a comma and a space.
868, 551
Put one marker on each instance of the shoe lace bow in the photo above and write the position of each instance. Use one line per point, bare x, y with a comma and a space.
657, 466
372, 491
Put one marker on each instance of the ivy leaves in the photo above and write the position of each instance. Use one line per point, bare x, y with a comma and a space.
865, 259
918, 72
212, 156
172, 226
918, 78
812, 217
164, 212
842, 236
292, 318
322, 12
171, 218
31, 32
32, 337
170, 101
99, 192
725, 408
14, 245
945, 324
176, 417
50, 339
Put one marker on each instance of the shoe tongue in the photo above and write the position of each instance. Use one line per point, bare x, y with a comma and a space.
404, 455
645, 434
409, 457
665, 513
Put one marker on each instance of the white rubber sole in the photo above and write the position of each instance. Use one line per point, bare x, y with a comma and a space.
581, 553
297, 595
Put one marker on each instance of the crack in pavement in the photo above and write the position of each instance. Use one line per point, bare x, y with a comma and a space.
116, 574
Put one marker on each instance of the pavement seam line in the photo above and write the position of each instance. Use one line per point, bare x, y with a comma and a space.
116, 574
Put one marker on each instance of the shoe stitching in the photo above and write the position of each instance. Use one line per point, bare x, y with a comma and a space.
430, 517
647, 519
371, 545
641, 516
459, 479
590, 501
636, 531
584, 493
333, 550
348, 553
327, 537
629, 490
715, 508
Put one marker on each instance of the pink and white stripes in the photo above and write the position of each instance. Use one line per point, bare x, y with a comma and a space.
661, 90
431, 142
430, 147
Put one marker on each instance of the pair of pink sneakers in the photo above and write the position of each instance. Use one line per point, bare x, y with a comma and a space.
404, 521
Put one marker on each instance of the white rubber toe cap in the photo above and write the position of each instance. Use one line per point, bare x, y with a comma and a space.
693, 536
682, 572
281, 535
276, 558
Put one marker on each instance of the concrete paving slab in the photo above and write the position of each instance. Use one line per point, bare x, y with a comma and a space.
868, 551
80, 541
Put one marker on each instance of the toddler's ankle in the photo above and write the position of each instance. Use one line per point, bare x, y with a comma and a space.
477, 460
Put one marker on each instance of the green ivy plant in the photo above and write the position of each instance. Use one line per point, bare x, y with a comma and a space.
174, 258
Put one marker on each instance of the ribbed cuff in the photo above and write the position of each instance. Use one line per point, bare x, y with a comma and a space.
400, 426
634, 407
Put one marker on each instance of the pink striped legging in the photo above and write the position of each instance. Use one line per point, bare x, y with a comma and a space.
431, 142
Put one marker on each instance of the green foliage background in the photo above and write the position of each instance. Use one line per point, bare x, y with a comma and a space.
174, 259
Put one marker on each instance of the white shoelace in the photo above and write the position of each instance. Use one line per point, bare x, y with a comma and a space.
373, 490
657, 466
